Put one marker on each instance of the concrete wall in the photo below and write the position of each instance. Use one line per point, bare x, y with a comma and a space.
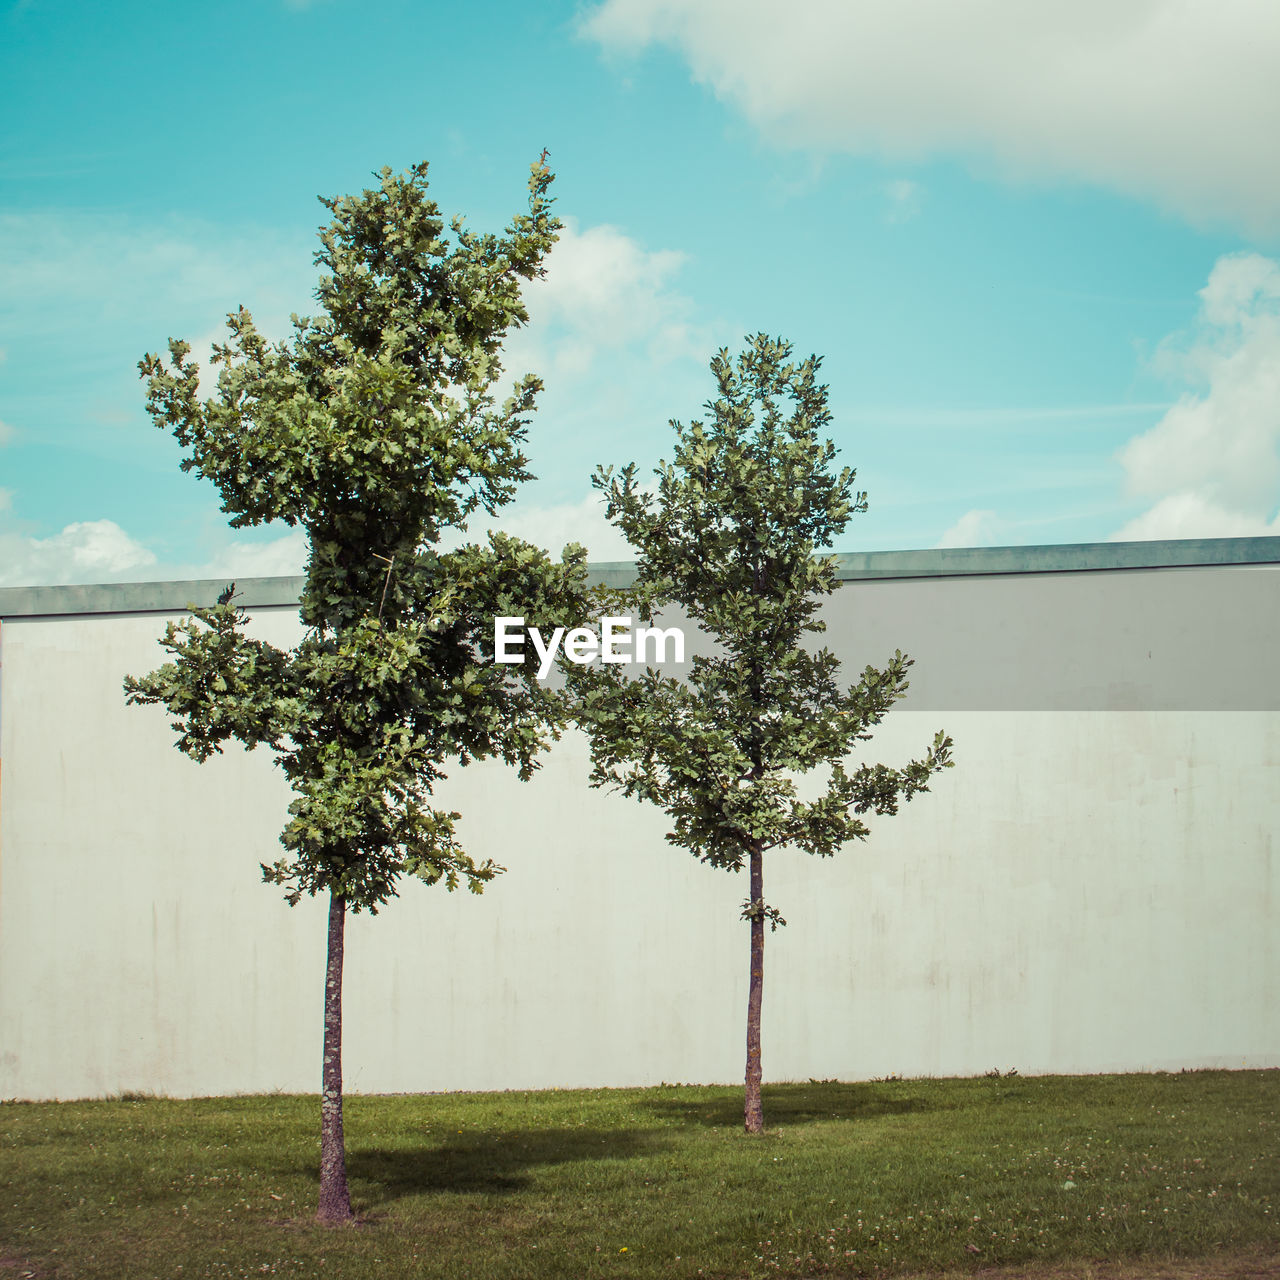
1091, 888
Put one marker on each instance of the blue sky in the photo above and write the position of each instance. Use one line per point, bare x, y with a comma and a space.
1037, 246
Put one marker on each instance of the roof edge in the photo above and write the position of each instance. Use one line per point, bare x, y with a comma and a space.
938, 562
1072, 557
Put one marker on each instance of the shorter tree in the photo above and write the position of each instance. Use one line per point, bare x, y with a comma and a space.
731, 536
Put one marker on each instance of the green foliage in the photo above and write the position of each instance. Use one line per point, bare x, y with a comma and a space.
374, 428
730, 535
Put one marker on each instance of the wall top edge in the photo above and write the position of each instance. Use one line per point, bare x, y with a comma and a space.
945, 562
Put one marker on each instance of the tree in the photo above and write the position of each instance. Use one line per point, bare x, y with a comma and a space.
730, 534
373, 429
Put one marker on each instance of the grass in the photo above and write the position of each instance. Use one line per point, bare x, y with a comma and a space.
849, 1179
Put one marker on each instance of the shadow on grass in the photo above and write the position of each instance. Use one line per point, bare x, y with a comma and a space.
501, 1161
786, 1104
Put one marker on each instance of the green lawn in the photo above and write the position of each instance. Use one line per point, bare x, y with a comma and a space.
857, 1178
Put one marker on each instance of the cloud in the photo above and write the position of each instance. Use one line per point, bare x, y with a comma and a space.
1189, 515
553, 526
621, 348
1211, 462
1161, 99
88, 551
101, 551
6, 432
973, 529
284, 556
603, 292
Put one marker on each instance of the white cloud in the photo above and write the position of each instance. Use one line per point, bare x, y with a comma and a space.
87, 551
1189, 515
6, 432
603, 280
973, 529
281, 556
603, 292
1170, 100
1212, 461
552, 527
101, 551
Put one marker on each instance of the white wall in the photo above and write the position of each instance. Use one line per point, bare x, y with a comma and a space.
1086, 890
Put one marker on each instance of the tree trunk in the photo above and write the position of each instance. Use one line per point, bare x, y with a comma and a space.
753, 1110
335, 1200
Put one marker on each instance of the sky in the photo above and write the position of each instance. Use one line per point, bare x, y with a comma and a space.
1037, 247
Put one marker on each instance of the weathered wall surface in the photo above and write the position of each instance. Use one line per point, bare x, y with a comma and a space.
1091, 888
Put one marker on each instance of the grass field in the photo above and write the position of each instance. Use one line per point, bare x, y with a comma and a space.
850, 1179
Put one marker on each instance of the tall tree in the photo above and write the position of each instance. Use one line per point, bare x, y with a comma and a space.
373, 429
730, 535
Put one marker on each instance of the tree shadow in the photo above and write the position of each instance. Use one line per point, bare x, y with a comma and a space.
501, 1161
786, 1104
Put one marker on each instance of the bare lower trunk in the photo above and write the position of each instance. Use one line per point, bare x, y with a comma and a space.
335, 1200
753, 1111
